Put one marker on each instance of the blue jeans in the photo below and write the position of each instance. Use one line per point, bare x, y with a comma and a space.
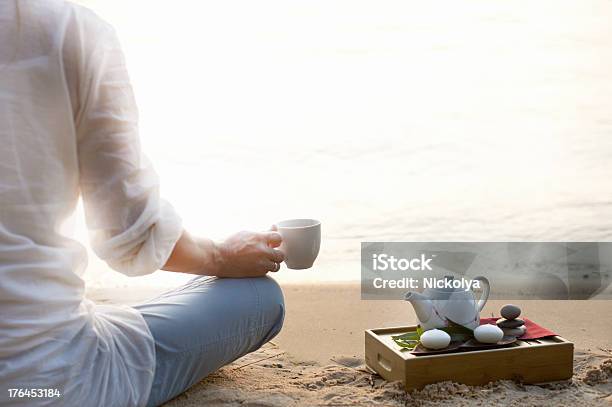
206, 324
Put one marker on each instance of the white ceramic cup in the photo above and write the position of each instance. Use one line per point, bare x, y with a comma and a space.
301, 242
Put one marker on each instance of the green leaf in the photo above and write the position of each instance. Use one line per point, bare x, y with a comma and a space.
409, 336
407, 341
458, 332
460, 329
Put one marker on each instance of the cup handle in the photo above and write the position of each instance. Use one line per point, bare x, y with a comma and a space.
485, 292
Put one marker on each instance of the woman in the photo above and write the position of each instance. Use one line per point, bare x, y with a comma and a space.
68, 128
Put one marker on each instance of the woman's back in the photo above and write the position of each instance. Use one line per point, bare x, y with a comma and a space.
62, 86
38, 176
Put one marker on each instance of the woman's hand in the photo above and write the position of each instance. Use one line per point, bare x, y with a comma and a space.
249, 254
245, 254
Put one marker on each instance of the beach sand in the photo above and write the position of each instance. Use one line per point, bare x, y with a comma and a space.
318, 359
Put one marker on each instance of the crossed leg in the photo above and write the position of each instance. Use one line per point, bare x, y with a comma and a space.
206, 324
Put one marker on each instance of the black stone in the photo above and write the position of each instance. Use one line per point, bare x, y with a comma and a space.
510, 323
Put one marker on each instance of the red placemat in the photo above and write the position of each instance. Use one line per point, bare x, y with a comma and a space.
534, 331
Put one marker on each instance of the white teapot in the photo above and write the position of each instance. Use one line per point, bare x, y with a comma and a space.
435, 307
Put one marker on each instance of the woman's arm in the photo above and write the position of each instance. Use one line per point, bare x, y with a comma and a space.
245, 254
131, 227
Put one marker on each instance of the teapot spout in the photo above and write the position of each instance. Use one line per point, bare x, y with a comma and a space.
422, 305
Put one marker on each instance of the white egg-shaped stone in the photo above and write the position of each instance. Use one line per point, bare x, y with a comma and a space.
488, 334
435, 339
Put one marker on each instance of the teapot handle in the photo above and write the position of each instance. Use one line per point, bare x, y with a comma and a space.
485, 292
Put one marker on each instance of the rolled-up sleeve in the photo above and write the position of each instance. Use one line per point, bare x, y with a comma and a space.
131, 227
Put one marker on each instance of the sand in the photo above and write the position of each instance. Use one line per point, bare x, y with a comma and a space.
318, 357
270, 377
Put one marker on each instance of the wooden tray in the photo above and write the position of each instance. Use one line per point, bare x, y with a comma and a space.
530, 361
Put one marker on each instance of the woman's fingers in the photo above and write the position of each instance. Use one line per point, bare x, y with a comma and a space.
275, 255
269, 265
250, 254
272, 239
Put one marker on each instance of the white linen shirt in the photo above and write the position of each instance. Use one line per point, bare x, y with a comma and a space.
68, 128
